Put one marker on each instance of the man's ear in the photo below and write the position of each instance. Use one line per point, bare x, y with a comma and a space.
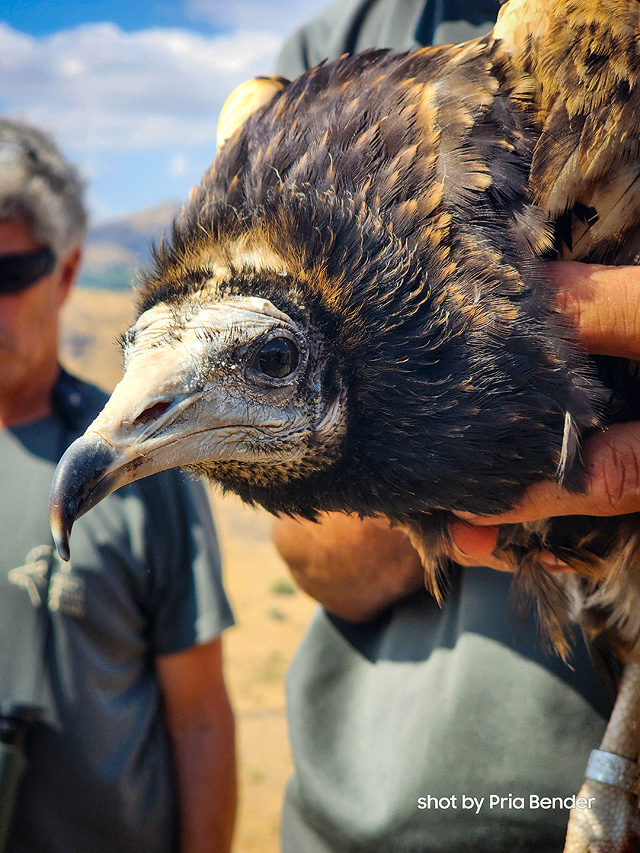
69, 269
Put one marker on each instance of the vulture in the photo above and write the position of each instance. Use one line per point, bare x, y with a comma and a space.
352, 313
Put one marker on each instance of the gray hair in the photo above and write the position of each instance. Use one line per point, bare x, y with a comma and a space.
38, 185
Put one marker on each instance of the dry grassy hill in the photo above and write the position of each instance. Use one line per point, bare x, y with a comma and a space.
271, 615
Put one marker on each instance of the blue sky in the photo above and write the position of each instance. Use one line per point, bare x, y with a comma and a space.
132, 90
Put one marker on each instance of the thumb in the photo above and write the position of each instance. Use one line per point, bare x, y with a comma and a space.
612, 460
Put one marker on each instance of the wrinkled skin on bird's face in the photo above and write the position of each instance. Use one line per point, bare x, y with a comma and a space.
243, 385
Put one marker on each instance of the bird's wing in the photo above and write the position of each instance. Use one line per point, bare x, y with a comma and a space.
584, 63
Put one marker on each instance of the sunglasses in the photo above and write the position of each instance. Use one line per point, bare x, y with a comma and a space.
20, 271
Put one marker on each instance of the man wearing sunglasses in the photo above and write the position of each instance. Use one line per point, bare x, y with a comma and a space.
110, 667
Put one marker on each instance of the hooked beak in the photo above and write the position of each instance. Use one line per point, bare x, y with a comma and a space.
87, 473
154, 420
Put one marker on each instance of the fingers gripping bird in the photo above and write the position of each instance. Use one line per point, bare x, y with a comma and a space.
352, 314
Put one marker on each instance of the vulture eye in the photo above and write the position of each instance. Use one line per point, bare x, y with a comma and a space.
278, 358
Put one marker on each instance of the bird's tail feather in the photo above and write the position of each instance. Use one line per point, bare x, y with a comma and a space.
535, 586
430, 537
532, 585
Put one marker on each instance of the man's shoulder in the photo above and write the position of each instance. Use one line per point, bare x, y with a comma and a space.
349, 27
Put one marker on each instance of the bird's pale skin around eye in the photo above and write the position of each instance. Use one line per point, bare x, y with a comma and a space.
358, 568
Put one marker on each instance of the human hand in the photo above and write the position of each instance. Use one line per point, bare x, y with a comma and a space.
603, 304
354, 567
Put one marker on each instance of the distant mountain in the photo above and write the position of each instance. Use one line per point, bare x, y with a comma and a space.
115, 250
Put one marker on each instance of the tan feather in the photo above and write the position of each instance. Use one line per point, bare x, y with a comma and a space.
244, 101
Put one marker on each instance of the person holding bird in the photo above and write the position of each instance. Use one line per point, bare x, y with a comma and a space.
369, 579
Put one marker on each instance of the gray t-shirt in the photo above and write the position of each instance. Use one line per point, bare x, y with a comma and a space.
428, 703
436, 703
144, 580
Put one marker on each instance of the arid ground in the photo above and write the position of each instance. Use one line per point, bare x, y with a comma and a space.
271, 615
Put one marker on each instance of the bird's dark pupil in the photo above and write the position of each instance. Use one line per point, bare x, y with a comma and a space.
278, 358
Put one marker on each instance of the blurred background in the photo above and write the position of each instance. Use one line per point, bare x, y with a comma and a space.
131, 92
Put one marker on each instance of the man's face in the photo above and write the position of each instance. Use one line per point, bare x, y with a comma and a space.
28, 322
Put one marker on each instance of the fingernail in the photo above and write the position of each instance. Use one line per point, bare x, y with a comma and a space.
458, 552
553, 564
466, 516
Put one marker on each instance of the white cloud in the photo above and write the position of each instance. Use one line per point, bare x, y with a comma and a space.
99, 88
276, 16
177, 166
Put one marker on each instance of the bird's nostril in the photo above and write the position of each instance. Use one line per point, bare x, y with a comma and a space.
152, 413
